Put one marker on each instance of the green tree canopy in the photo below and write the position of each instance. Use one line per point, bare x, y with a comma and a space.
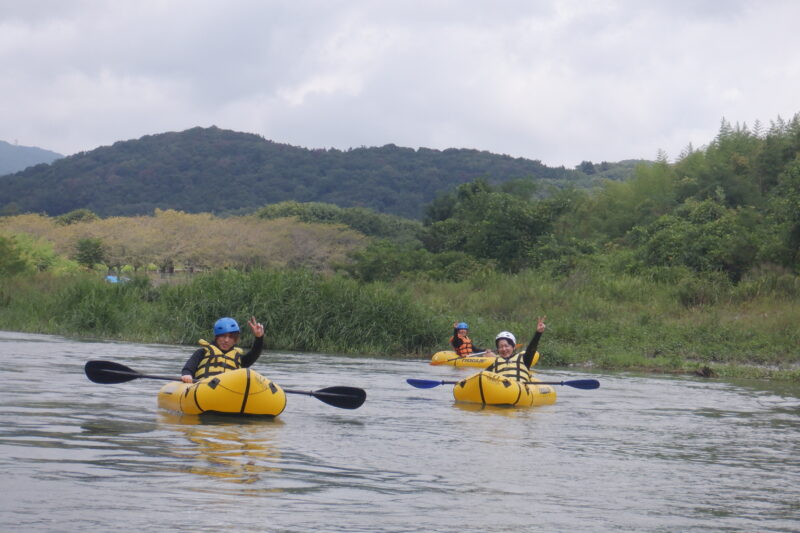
89, 252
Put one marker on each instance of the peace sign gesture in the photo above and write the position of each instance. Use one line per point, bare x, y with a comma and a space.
257, 327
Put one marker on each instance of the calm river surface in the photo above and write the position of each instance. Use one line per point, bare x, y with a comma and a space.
642, 453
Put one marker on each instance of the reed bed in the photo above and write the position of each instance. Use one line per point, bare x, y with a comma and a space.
598, 317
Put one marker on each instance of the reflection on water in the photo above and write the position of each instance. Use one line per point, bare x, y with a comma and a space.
232, 449
642, 453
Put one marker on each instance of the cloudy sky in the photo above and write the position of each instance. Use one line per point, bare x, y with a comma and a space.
561, 81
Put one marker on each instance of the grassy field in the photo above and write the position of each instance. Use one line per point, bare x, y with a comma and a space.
659, 321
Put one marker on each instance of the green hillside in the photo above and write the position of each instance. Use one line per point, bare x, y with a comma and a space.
689, 266
14, 158
226, 172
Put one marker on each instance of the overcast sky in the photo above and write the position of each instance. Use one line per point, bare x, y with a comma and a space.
558, 81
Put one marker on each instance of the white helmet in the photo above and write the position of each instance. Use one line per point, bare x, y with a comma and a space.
507, 335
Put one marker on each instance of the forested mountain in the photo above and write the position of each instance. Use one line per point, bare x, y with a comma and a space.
14, 158
227, 172
726, 211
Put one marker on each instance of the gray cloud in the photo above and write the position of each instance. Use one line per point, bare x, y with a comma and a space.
559, 81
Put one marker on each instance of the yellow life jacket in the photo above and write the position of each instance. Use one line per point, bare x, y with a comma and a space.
215, 361
465, 348
513, 367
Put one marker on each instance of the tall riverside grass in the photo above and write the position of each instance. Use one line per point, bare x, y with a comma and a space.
649, 321
304, 311
300, 311
661, 320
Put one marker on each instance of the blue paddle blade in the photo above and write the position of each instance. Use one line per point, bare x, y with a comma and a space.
424, 383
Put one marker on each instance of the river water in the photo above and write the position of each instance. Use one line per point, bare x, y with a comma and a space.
641, 453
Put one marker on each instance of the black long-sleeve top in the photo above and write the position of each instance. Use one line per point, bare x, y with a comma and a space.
530, 351
456, 342
247, 359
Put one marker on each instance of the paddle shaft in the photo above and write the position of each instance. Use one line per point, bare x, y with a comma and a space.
136, 375
587, 384
109, 372
527, 382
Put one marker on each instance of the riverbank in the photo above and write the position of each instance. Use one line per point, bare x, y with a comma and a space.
670, 323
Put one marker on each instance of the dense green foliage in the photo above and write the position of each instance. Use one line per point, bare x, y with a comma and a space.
367, 221
496, 226
384, 261
219, 171
26, 254
89, 252
76, 216
727, 209
11, 260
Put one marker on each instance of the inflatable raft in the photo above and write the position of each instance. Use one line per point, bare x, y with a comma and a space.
242, 392
488, 388
452, 359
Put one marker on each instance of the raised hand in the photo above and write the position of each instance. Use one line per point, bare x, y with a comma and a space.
256, 327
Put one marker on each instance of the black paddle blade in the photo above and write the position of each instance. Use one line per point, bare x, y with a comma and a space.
109, 372
343, 397
586, 384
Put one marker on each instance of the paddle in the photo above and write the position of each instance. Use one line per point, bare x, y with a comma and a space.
344, 397
110, 372
107, 372
577, 383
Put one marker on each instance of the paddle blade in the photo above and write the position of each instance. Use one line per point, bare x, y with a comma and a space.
583, 383
343, 397
424, 383
109, 372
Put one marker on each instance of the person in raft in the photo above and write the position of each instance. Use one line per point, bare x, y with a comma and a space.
223, 354
515, 366
462, 344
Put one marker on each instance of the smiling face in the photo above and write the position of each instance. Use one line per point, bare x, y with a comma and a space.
226, 341
504, 348
462, 333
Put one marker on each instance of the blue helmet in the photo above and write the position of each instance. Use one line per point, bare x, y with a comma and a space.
462, 325
225, 325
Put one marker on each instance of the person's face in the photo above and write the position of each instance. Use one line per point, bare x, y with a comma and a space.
504, 348
462, 333
226, 341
